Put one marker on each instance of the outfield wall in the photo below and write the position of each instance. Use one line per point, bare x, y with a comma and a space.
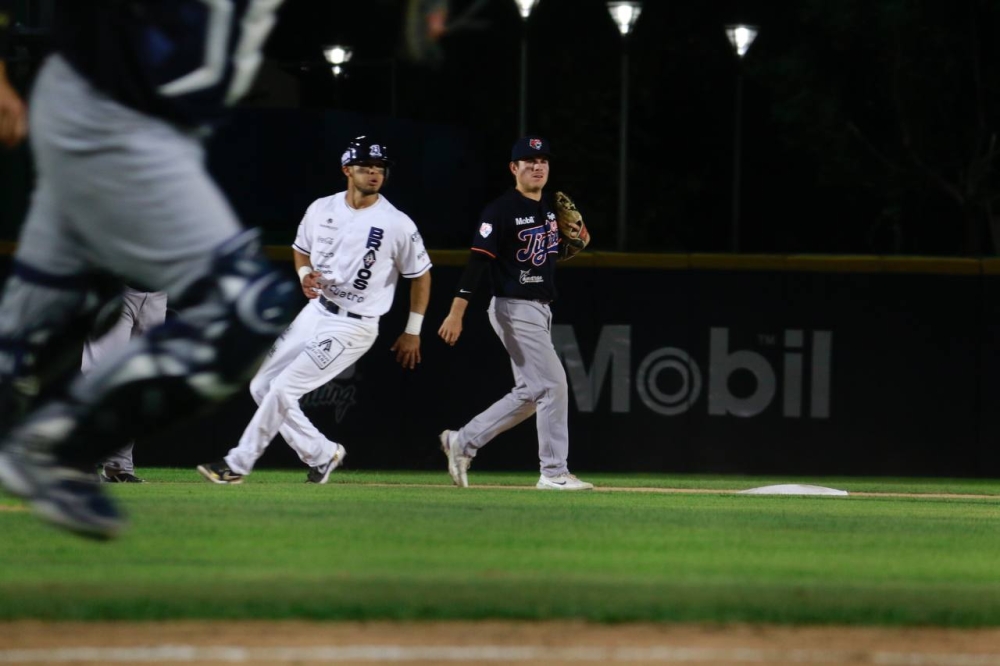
691, 363
697, 363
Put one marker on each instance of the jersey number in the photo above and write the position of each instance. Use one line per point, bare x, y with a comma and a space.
255, 26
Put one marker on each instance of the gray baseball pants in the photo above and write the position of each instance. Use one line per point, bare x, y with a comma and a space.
525, 329
117, 190
141, 311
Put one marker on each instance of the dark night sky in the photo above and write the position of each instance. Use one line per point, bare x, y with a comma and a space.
866, 123
682, 76
863, 120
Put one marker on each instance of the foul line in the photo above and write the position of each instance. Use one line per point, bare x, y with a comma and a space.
691, 491
485, 653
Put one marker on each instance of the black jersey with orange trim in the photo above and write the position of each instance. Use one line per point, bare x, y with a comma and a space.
521, 236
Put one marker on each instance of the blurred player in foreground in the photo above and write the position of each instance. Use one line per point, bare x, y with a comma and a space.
116, 117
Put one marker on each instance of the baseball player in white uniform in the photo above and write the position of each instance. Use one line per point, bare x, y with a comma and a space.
349, 252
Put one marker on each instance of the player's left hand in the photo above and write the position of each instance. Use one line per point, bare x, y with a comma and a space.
407, 348
13, 116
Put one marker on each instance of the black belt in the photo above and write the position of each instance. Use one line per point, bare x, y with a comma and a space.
336, 309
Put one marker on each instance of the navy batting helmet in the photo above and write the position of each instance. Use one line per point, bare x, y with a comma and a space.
364, 149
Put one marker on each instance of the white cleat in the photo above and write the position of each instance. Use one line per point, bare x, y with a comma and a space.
562, 482
321, 473
458, 462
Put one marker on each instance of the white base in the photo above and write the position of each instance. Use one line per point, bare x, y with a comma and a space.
793, 489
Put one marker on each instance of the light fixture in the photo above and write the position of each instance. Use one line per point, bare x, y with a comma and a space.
625, 13
741, 37
525, 7
337, 54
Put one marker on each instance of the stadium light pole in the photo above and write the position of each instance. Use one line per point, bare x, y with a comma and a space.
740, 37
524, 7
625, 14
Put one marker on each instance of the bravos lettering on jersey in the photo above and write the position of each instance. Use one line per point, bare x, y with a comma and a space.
539, 241
325, 240
374, 244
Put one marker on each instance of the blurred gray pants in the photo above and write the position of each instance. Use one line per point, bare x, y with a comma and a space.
141, 311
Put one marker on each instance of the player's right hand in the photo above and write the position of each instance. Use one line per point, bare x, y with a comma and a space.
311, 286
451, 329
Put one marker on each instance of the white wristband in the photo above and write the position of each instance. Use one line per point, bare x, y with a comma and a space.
414, 323
304, 271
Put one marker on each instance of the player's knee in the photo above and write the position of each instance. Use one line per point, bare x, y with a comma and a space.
258, 388
559, 390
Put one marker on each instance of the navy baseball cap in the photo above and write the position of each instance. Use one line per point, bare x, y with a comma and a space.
530, 146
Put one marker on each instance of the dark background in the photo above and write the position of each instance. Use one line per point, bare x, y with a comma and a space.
869, 126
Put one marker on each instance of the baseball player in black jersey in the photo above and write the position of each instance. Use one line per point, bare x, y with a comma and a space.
517, 241
117, 114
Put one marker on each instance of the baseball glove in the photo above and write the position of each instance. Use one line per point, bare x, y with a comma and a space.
572, 231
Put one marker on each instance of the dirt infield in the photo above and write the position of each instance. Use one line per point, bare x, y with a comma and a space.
306, 643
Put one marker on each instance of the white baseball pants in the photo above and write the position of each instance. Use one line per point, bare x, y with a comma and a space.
317, 347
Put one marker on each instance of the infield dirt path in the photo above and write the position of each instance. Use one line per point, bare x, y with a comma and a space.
530, 644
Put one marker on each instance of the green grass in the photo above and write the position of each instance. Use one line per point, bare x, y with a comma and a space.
408, 546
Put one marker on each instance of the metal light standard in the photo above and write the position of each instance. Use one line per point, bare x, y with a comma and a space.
624, 14
525, 7
741, 37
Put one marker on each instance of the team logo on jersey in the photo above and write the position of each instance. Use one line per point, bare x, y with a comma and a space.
535, 143
485, 229
324, 352
416, 238
375, 236
528, 278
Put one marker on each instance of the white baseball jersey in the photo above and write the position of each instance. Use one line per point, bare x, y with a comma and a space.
361, 253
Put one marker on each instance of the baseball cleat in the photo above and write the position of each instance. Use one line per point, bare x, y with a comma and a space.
562, 482
321, 473
65, 496
219, 472
121, 477
458, 462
